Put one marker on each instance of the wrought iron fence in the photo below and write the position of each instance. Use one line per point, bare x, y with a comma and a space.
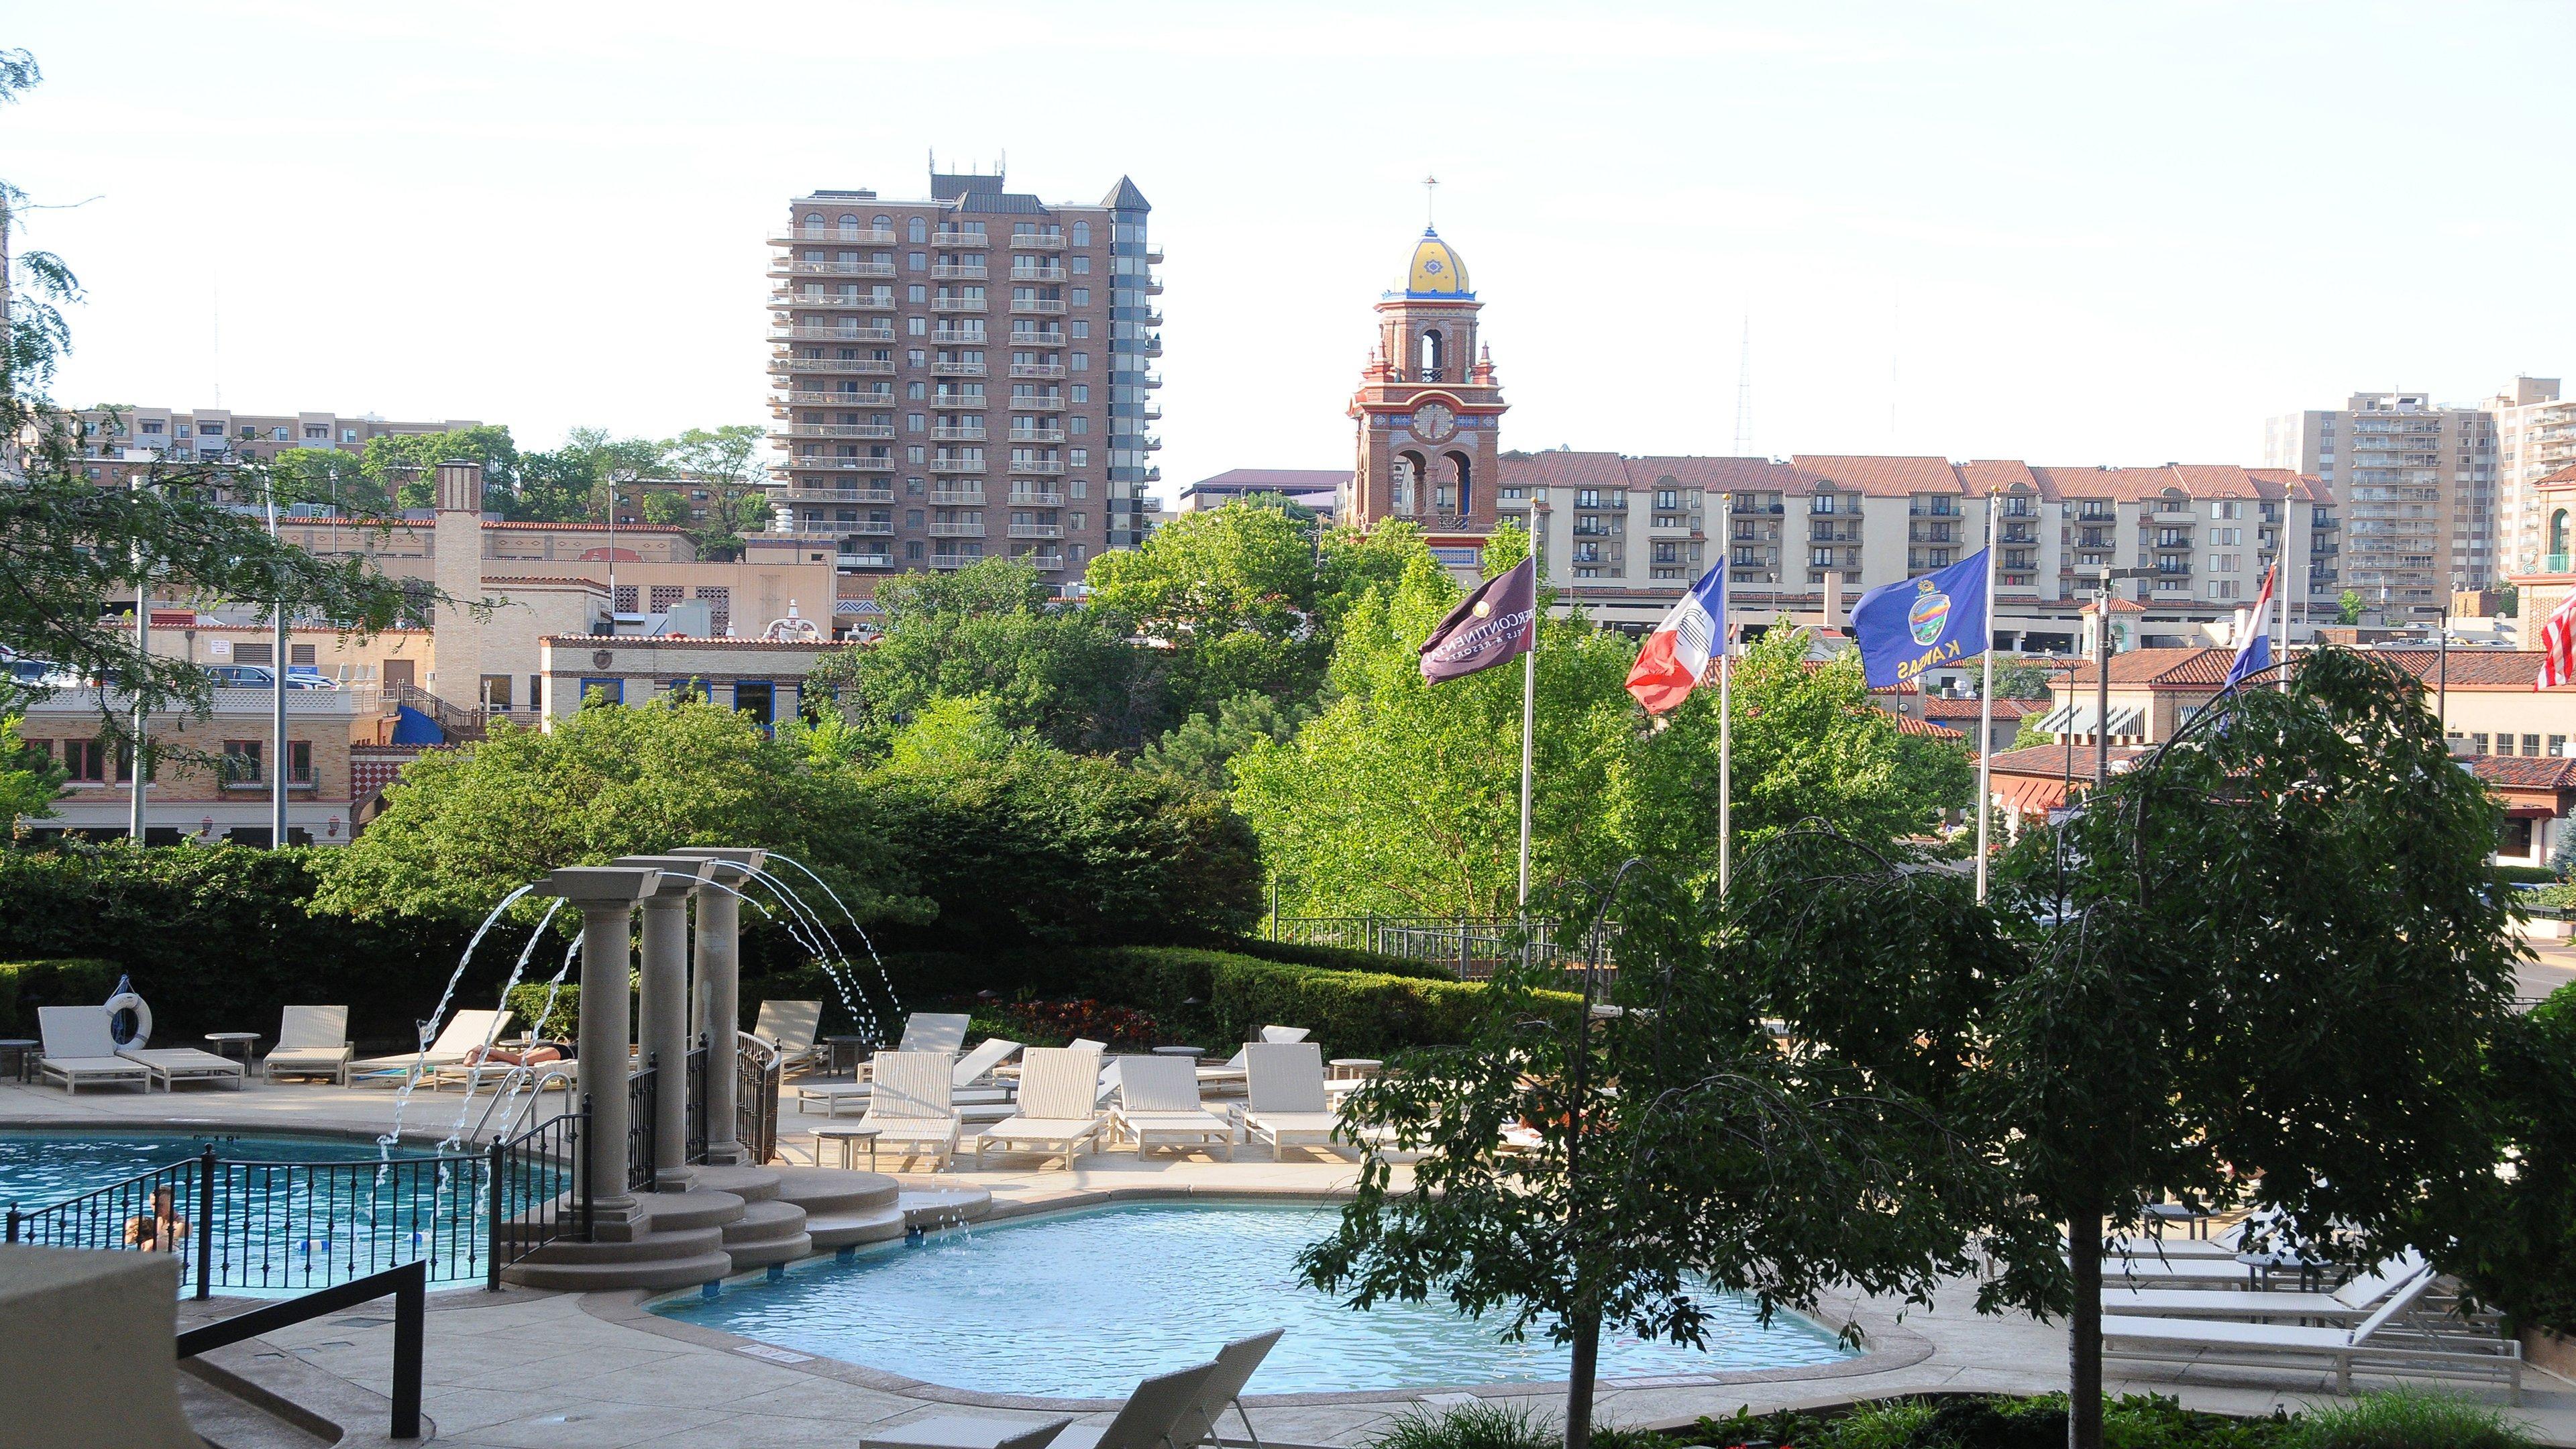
755, 1104
1470, 946
540, 1192
264, 1227
641, 1091
694, 1143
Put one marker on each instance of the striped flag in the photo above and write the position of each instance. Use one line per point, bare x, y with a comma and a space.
2558, 646
2254, 650
1675, 657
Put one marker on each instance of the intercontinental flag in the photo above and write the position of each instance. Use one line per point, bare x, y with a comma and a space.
1496, 623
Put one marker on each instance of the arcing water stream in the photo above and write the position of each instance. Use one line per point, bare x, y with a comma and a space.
429, 1028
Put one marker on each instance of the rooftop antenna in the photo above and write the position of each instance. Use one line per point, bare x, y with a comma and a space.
218, 285
1744, 391
1429, 185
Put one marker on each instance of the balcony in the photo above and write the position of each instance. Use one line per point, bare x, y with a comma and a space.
844, 465
867, 528
849, 236
945, 463
1036, 498
882, 366
1740, 508
833, 399
974, 271
1037, 435
1037, 306
947, 368
1025, 241
1036, 530
1932, 508
2169, 510
1017, 466
951, 401
1037, 402
957, 497
831, 269
872, 559
957, 530
960, 239
830, 301
800, 491
957, 304
955, 560
957, 432
1045, 563
1661, 529
834, 430
801, 332
1032, 369
1153, 256
1037, 339
1931, 533
1028, 271
958, 336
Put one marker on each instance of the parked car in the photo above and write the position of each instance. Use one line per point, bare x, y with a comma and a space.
260, 676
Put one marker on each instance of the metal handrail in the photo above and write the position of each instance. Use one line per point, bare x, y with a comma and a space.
409, 1284
535, 1076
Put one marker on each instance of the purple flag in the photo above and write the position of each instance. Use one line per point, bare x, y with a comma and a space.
1497, 622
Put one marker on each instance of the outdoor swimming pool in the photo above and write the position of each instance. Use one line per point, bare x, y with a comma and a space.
39, 1169
1083, 1304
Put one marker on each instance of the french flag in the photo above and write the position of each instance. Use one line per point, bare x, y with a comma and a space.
1675, 657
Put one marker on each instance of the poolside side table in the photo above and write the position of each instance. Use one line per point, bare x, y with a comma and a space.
225, 1041
21, 1056
847, 1138
1191, 1052
1353, 1068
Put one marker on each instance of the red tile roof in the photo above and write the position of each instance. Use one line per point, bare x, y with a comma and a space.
2160, 669
1937, 707
1879, 477
1898, 476
2526, 772
1907, 725
2479, 669
2055, 761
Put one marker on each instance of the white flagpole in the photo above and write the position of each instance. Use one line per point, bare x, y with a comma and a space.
1725, 696
1529, 707
1986, 700
2281, 596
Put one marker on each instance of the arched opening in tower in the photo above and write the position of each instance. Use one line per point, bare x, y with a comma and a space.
1431, 356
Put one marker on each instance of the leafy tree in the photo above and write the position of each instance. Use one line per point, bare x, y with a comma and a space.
572, 484
2509, 601
326, 476
665, 509
1655, 1153
1200, 748
2511, 1238
2019, 679
1230, 592
2348, 608
461, 828
405, 465
989, 630
29, 782
726, 462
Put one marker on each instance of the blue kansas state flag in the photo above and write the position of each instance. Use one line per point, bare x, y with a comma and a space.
1940, 618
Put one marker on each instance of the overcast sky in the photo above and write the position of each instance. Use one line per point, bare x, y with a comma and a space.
2071, 234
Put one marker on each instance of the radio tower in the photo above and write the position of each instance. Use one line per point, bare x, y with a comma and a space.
1744, 392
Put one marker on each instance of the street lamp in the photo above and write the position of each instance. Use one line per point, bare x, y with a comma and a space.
2102, 579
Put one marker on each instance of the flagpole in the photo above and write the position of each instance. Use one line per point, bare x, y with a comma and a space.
2281, 587
1986, 698
1725, 696
1529, 701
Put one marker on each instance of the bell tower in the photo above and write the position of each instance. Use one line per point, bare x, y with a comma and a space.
1428, 410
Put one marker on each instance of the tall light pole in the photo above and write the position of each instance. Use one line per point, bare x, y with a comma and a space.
142, 656
277, 704
2102, 579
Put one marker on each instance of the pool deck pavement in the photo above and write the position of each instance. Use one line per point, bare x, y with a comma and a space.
529, 1370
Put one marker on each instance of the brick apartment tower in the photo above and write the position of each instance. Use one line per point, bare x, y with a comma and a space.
1429, 412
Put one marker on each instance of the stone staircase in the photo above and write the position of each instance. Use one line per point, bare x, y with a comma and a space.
731, 1220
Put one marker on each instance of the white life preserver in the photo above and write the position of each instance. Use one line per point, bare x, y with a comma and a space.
138, 1030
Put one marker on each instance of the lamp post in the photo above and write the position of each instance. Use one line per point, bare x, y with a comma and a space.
2102, 579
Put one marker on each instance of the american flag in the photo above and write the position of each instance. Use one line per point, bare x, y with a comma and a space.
2558, 646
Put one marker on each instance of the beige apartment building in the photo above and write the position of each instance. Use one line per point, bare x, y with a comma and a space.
125, 439
2419, 487
1806, 537
2535, 430
217, 785
963, 376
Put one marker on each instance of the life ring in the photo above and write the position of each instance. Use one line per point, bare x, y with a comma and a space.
129, 1019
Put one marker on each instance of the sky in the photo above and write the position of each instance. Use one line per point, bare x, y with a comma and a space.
2067, 234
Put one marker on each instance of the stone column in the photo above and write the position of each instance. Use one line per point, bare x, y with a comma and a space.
718, 999
606, 896
662, 1003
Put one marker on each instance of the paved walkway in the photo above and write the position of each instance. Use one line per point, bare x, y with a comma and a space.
548, 1371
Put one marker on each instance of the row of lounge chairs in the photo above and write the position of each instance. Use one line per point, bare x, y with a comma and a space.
81, 1049
2179, 1303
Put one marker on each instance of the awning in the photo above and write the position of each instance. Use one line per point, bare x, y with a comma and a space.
2078, 716
2025, 796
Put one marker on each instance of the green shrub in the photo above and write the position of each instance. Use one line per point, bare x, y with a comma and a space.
2526, 874
2136, 1421
2409, 1419
1484, 1424
528, 1001
64, 981
1339, 958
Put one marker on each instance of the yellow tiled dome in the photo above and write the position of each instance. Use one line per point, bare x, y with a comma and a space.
1436, 270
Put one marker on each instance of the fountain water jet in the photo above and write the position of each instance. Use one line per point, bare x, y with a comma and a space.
428, 1030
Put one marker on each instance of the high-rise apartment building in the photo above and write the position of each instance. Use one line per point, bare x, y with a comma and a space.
2535, 431
964, 376
2418, 484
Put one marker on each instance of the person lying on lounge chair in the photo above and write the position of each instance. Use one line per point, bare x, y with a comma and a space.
544, 1051
160, 1231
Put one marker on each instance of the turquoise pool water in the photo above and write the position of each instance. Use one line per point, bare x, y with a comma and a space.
1084, 1304
39, 1169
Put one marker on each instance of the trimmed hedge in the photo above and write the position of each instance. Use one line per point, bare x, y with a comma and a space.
1338, 958
62, 981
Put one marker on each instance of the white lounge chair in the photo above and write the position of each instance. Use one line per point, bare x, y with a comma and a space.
1224, 1389
971, 1069
913, 1106
80, 1049
2374, 1346
1058, 1108
1158, 1104
793, 1029
169, 1066
1285, 1102
312, 1041
2357, 1299
1281, 1035
934, 1031
465, 1032
1155, 1416
1228, 1076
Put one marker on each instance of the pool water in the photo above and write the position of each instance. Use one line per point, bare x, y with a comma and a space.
1084, 1304
38, 1169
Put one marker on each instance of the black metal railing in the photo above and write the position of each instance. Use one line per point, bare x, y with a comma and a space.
271, 1226
755, 1104
408, 1284
694, 1140
540, 1192
1470, 946
641, 1092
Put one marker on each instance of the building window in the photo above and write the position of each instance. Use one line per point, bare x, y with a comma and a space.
1082, 362
628, 600
602, 692
241, 762
1082, 233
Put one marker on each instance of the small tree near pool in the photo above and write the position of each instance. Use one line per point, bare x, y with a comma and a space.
1661, 1145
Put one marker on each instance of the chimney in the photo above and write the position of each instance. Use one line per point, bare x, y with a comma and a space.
1833, 599
460, 487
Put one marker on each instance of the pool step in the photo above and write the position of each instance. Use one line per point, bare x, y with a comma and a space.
766, 1233
647, 1248
565, 1277
697, 1208
848, 1230
751, 1184
832, 1190
932, 1208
